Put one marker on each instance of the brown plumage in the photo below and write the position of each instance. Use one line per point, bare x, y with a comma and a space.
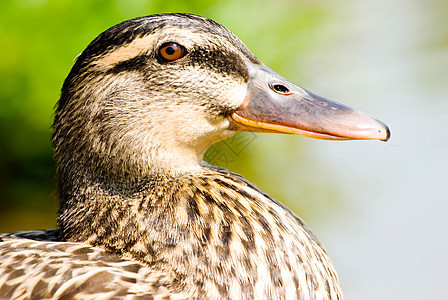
141, 215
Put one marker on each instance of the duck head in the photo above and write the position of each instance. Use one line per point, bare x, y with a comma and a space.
153, 93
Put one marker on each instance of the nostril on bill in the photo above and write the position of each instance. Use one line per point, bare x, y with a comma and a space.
280, 89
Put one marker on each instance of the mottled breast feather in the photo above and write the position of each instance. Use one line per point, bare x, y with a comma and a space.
214, 226
35, 266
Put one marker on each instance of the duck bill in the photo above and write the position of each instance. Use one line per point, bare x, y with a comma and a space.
273, 104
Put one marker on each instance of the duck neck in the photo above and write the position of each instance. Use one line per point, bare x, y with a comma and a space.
203, 227
98, 207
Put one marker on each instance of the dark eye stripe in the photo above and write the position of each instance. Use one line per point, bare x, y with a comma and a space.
133, 64
220, 61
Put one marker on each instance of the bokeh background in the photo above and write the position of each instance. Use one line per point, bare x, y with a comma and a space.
380, 208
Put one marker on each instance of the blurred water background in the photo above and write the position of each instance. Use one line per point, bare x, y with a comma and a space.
380, 208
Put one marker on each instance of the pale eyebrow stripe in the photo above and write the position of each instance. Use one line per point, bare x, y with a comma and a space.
131, 50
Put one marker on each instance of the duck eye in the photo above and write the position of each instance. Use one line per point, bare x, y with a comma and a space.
171, 51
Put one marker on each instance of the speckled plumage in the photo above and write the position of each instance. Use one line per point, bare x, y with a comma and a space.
211, 235
141, 215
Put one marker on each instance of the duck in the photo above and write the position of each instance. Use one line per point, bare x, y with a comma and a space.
141, 215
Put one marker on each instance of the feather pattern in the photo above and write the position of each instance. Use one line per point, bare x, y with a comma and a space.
213, 225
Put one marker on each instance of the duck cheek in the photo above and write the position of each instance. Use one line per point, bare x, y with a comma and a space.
235, 94
198, 129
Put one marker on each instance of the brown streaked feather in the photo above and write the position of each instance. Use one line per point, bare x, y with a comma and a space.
227, 230
34, 267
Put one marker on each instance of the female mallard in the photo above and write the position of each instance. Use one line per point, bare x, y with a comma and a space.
140, 213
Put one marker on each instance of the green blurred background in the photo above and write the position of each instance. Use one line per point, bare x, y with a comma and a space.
380, 209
